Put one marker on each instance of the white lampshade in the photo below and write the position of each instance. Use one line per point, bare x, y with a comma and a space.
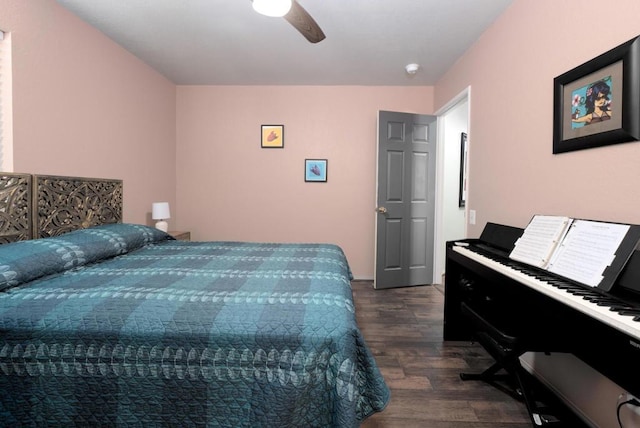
160, 211
272, 7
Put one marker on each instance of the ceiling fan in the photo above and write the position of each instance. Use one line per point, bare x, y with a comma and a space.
295, 14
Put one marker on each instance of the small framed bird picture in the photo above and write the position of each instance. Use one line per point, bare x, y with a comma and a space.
315, 170
272, 136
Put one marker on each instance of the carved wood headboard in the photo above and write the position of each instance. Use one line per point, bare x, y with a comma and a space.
15, 207
39, 206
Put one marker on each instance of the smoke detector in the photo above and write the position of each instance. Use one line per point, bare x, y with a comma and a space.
412, 68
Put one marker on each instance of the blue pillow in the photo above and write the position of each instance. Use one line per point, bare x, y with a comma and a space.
25, 261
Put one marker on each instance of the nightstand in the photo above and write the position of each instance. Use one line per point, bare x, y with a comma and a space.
180, 236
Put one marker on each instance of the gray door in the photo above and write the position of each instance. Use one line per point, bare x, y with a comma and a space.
406, 199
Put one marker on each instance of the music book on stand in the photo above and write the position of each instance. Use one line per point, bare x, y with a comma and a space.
589, 252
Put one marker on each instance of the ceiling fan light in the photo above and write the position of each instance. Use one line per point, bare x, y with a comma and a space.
272, 7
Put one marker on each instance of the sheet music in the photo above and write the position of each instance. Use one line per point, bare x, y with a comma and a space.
586, 251
539, 239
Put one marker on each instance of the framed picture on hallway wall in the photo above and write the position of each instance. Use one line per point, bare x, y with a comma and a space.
464, 150
598, 102
315, 170
272, 136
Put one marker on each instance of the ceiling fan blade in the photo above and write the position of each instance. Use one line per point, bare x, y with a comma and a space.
304, 23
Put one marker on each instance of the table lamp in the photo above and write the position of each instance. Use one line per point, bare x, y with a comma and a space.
160, 212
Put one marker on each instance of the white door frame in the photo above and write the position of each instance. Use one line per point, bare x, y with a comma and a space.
439, 252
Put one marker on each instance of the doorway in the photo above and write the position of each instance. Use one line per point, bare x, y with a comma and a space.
451, 218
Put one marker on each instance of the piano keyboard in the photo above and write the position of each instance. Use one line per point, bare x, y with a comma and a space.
611, 311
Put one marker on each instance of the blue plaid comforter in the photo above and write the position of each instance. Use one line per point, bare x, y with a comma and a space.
120, 325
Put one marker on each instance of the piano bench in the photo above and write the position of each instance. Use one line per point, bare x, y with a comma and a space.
505, 348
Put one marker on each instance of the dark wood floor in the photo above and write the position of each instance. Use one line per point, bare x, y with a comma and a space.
403, 328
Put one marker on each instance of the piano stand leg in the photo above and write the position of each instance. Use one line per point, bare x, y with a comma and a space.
497, 380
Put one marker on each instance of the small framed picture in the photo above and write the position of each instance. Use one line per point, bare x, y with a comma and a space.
464, 150
272, 136
315, 170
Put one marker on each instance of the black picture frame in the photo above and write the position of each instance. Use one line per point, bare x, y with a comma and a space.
464, 150
272, 136
574, 128
315, 170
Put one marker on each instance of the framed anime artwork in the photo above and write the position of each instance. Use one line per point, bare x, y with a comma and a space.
598, 102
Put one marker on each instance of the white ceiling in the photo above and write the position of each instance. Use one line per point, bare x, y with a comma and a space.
224, 42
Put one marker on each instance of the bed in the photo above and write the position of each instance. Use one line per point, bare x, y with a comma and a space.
104, 323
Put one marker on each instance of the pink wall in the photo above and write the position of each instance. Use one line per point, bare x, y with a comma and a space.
84, 106
513, 173
229, 188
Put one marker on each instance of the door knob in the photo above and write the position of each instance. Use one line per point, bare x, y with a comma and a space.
381, 210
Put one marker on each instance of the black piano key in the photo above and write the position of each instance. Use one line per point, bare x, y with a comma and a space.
605, 303
630, 312
596, 299
580, 292
566, 286
618, 307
